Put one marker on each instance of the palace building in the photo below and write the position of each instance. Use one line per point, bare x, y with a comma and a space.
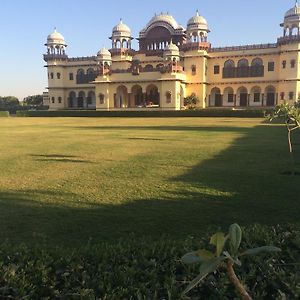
172, 63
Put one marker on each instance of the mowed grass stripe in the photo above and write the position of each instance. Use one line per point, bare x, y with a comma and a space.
65, 180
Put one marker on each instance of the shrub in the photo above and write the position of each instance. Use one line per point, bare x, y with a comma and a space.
146, 269
4, 114
144, 114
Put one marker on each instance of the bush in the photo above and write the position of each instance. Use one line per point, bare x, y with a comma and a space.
183, 113
4, 114
146, 269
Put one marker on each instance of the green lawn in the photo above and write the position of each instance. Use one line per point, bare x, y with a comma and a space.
66, 180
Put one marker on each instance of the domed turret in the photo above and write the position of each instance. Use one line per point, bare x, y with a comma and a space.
104, 54
121, 36
197, 29
291, 22
171, 52
104, 61
56, 44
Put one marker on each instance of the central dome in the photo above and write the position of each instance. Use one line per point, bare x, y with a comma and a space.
164, 18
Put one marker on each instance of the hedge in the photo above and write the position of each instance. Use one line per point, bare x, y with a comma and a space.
251, 113
4, 114
143, 268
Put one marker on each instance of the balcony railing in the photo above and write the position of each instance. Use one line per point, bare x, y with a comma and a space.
85, 78
243, 72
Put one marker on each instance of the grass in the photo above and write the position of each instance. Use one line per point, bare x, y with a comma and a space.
65, 181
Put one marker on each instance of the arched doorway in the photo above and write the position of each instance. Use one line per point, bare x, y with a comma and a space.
72, 101
152, 95
255, 96
137, 99
243, 96
81, 99
270, 94
215, 97
91, 100
228, 97
121, 97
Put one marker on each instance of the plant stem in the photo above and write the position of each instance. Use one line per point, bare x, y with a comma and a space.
234, 279
291, 150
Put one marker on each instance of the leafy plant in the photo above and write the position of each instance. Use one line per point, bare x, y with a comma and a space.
226, 254
291, 116
191, 101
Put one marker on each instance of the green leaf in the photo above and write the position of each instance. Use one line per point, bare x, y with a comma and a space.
206, 268
218, 240
197, 257
235, 237
259, 250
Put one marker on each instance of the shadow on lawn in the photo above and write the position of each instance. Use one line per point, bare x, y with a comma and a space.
245, 177
59, 158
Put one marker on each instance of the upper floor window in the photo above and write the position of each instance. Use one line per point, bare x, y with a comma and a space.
271, 66
71, 76
58, 75
51, 75
293, 63
282, 96
291, 95
216, 69
194, 70
168, 97
59, 99
283, 64
101, 98
53, 100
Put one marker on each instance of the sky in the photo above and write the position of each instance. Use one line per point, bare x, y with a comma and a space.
86, 26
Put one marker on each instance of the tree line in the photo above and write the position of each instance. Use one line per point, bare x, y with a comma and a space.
13, 104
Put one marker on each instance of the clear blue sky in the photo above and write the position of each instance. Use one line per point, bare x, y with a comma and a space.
86, 25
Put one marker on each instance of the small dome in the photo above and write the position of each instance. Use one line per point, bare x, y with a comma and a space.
103, 52
121, 29
293, 12
172, 47
171, 50
55, 38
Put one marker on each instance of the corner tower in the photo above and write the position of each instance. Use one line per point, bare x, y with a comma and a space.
56, 58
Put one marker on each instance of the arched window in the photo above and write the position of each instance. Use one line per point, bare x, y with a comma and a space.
229, 64
81, 77
242, 68
149, 68
194, 70
101, 98
53, 100
168, 96
59, 99
51, 75
58, 75
229, 69
257, 68
243, 63
80, 72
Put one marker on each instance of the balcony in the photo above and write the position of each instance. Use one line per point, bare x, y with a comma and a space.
243, 72
49, 57
85, 78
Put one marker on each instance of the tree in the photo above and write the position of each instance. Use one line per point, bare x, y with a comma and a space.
191, 101
33, 101
9, 103
290, 114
